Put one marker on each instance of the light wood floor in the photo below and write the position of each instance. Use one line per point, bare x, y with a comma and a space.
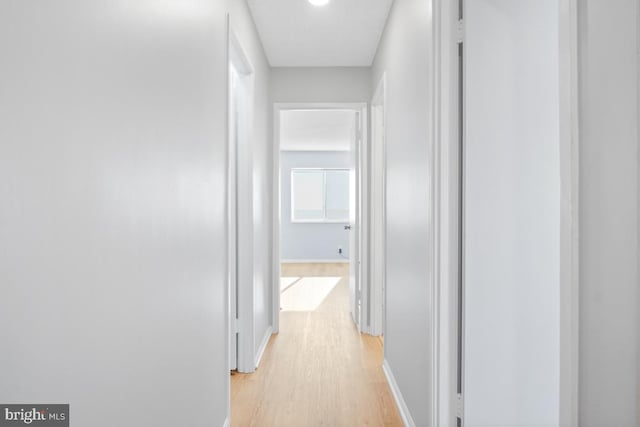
319, 370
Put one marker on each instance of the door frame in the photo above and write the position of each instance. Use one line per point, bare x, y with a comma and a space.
240, 224
446, 174
569, 214
362, 237
378, 196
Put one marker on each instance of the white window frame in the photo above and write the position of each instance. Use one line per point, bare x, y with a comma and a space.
324, 219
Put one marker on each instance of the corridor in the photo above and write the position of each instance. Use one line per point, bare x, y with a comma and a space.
318, 371
159, 166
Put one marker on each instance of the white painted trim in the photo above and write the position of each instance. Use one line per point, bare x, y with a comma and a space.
437, 179
364, 218
569, 214
445, 213
275, 225
363, 109
263, 345
377, 232
227, 235
315, 261
397, 396
638, 183
230, 215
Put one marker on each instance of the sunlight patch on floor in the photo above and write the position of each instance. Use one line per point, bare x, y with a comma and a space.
307, 293
285, 282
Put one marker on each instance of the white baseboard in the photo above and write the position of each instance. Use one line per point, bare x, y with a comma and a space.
314, 261
226, 423
263, 345
397, 395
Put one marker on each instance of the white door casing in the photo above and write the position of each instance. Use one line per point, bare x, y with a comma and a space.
232, 205
377, 211
355, 292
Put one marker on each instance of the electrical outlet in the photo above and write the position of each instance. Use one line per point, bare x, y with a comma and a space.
339, 250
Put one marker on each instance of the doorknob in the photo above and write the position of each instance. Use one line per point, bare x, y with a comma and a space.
347, 227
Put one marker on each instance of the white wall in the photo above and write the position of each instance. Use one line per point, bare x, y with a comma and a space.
112, 176
512, 227
609, 283
305, 241
405, 54
321, 84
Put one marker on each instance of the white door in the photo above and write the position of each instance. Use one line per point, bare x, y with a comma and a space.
512, 206
355, 292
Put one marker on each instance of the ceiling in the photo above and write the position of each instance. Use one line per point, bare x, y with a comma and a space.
343, 33
316, 130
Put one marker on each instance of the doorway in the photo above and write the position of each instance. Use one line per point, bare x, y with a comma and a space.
319, 169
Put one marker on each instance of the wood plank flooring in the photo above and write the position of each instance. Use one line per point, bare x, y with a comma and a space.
319, 370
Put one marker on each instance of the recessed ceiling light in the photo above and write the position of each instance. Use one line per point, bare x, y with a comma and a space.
319, 2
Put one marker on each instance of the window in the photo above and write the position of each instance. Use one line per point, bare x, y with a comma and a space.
319, 195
